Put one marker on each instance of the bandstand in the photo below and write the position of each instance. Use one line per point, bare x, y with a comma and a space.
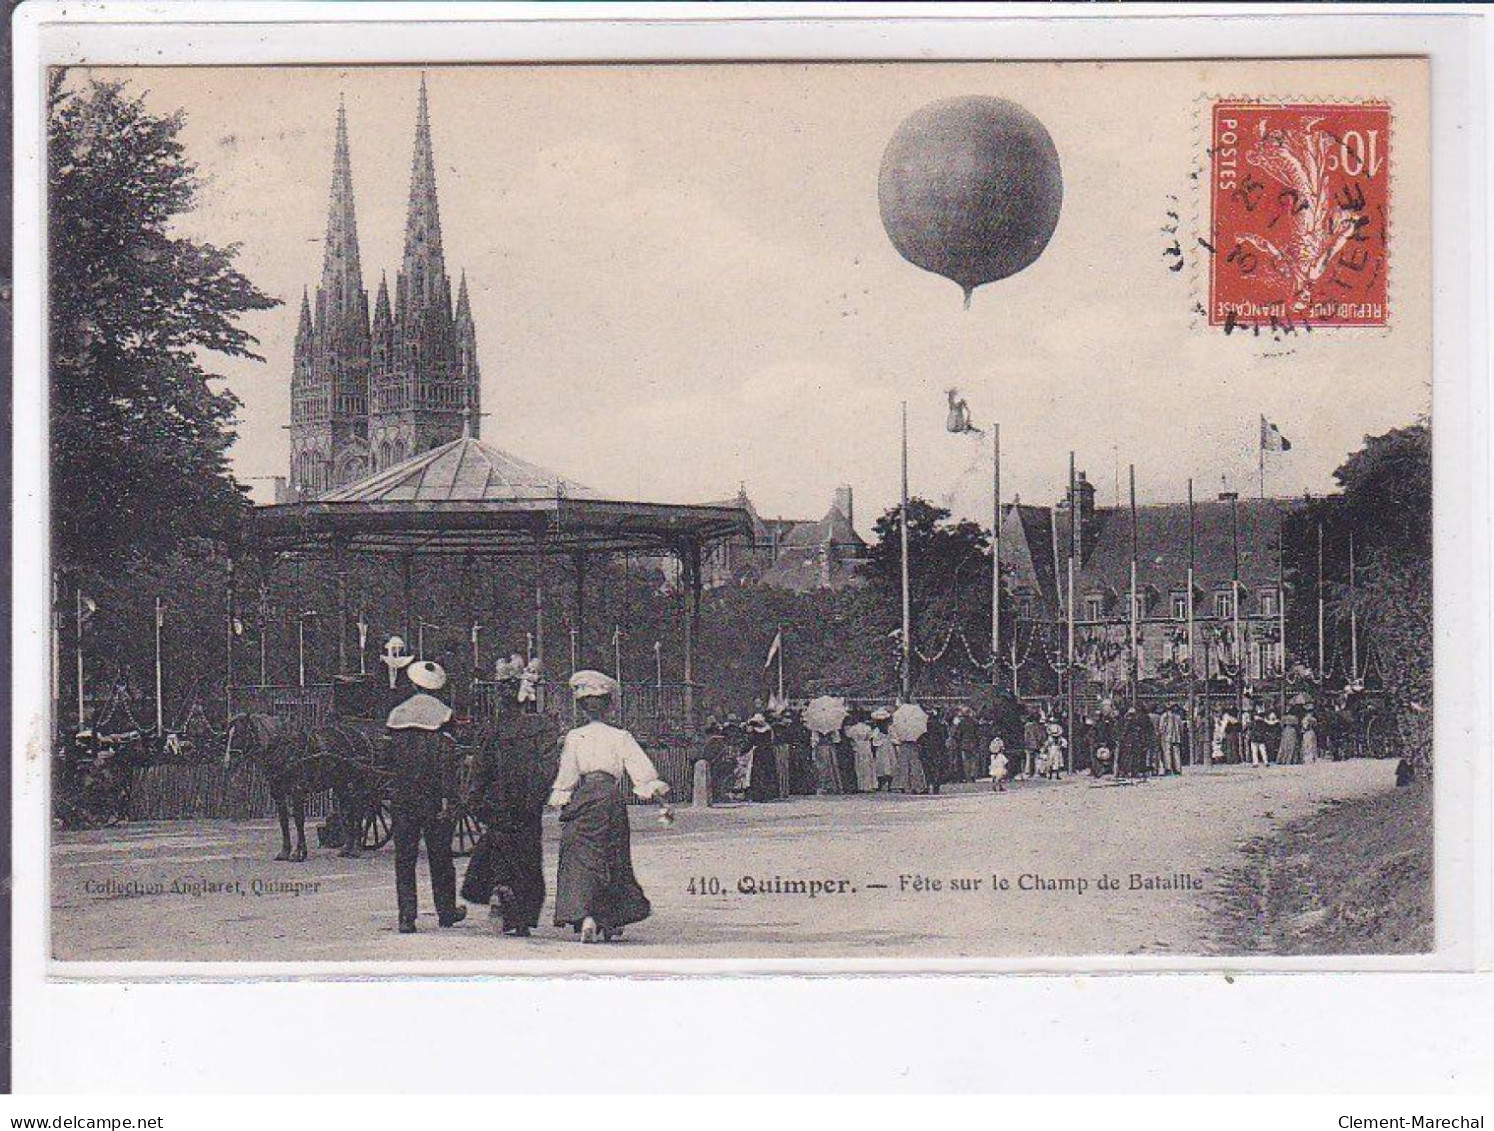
469, 500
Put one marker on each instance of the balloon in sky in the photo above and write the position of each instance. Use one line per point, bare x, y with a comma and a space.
970, 189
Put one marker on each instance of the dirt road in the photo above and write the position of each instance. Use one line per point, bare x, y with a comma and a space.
1046, 869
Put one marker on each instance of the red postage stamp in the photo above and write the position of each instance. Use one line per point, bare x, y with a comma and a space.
1301, 203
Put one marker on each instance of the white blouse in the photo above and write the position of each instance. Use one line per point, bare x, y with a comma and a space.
599, 748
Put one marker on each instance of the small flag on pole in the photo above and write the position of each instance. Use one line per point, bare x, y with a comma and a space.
773, 650
238, 627
87, 606
1271, 438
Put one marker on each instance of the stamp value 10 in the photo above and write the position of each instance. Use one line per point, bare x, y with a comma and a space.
1300, 214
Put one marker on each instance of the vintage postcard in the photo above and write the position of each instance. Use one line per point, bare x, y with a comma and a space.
527, 515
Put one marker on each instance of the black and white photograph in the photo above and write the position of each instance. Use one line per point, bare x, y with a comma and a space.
739, 511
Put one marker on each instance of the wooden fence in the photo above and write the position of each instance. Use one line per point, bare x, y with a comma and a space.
178, 792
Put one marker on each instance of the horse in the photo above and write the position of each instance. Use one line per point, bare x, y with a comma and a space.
297, 761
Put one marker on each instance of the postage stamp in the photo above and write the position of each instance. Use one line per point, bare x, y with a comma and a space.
1300, 214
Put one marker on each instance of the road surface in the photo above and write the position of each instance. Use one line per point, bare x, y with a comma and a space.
1047, 869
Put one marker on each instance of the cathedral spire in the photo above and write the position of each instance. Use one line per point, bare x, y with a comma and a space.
424, 266
342, 272
381, 303
303, 327
464, 304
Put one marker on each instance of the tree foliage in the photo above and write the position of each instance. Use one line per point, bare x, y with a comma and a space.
139, 437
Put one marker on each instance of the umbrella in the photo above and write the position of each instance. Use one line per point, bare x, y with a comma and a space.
908, 723
825, 714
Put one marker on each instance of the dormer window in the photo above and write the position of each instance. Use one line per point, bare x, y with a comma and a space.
1268, 603
1094, 607
1224, 605
1180, 606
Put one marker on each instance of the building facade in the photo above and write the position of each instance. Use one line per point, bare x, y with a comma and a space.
788, 553
1237, 591
371, 392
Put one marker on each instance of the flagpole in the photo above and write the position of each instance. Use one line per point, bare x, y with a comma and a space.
1353, 617
996, 557
81, 719
1281, 614
617, 654
1320, 603
264, 628
230, 640
1261, 456
1234, 589
659, 663
906, 674
780, 667
1135, 626
1192, 697
1069, 644
160, 713
476, 657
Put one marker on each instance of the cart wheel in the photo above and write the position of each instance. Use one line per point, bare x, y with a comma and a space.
465, 835
378, 827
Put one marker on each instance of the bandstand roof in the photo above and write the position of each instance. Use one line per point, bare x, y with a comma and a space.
469, 497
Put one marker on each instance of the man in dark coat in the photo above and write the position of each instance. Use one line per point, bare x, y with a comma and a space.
934, 750
1138, 745
516, 764
423, 760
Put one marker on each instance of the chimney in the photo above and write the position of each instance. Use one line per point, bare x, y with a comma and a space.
845, 503
1089, 529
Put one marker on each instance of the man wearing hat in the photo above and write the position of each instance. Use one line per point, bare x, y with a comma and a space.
423, 756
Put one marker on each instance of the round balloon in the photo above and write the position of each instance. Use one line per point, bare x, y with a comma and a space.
970, 188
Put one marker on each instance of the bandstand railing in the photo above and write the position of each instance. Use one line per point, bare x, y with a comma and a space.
307, 706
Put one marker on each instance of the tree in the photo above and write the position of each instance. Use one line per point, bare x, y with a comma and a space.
949, 582
139, 438
1385, 505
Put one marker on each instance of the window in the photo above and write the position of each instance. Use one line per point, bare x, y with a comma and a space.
1094, 607
1140, 609
1268, 604
1224, 605
1024, 606
1180, 606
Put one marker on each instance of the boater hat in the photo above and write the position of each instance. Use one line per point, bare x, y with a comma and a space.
427, 675
592, 685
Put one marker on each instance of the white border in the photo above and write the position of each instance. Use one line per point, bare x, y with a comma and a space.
245, 33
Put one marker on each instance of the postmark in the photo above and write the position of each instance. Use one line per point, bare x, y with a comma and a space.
1299, 214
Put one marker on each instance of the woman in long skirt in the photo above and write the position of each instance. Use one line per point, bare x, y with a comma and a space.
1309, 737
596, 892
516, 765
826, 771
1289, 753
860, 734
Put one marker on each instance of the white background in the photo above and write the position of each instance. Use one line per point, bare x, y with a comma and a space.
1120, 1031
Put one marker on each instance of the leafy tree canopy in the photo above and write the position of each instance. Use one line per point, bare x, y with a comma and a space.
139, 438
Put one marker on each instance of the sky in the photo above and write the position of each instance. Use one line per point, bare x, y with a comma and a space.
681, 282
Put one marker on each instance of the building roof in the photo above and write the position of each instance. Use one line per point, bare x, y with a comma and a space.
461, 470
1162, 546
468, 497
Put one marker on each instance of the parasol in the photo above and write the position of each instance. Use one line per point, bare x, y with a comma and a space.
908, 723
825, 714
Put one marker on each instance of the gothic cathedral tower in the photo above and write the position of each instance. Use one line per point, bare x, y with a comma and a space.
365, 397
329, 389
425, 381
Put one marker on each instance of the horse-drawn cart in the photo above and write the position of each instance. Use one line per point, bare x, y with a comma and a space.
334, 740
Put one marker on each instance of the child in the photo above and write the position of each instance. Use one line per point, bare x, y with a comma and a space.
998, 765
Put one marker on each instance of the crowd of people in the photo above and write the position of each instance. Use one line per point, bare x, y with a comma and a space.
773, 754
